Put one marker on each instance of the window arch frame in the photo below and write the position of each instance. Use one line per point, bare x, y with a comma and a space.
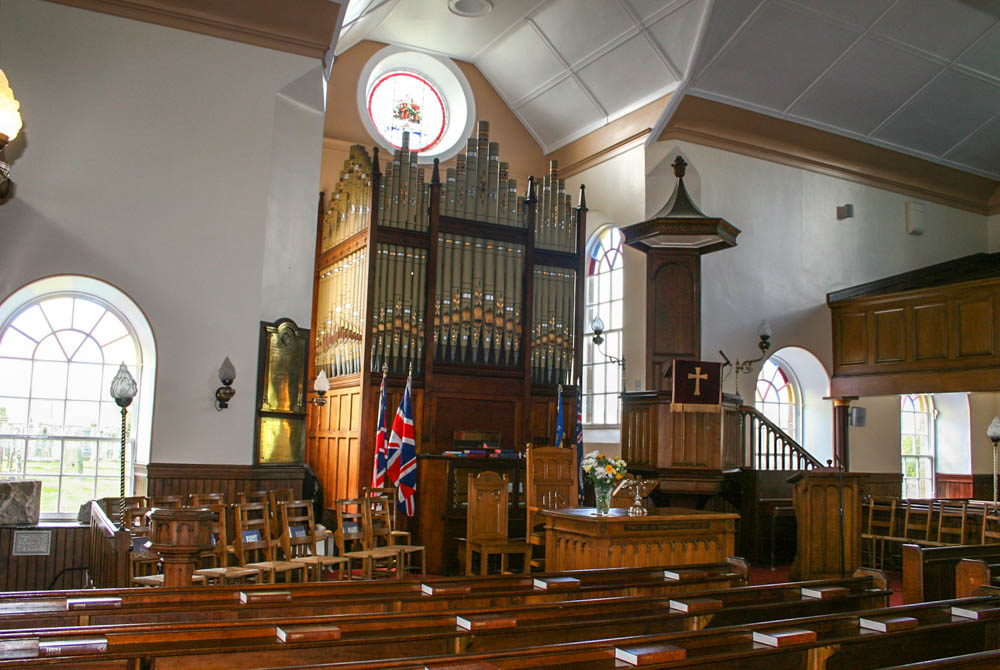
795, 389
929, 412
596, 368
137, 325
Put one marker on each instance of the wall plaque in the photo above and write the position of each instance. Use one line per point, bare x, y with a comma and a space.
282, 370
32, 543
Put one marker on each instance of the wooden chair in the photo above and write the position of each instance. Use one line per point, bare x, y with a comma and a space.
244, 497
136, 520
991, 525
389, 493
917, 524
274, 497
298, 539
952, 518
351, 541
878, 527
206, 499
169, 502
551, 484
486, 525
254, 548
221, 572
378, 524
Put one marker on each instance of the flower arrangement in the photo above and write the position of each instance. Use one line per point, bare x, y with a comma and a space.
599, 469
603, 473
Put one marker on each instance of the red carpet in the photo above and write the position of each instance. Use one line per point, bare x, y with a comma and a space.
764, 575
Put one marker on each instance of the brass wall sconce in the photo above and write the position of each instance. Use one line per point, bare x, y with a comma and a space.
993, 432
10, 126
225, 393
321, 386
746, 367
598, 327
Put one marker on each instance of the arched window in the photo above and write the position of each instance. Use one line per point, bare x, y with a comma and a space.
777, 396
59, 350
916, 431
605, 290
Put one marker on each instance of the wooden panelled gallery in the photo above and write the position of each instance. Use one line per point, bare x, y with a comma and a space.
473, 282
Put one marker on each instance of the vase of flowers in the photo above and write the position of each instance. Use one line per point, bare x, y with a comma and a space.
604, 473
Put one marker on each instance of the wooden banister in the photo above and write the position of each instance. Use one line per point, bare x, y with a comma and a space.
767, 447
109, 550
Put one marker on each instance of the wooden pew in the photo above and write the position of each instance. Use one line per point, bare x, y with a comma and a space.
114, 606
929, 572
985, 660
353, 637
972, 573
839, 643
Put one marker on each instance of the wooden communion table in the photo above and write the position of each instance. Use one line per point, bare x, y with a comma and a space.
576, 538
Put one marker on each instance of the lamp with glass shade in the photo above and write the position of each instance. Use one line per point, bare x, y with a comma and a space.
225, 393
10, 126
993, 432
321, 386
597, 325
123, 390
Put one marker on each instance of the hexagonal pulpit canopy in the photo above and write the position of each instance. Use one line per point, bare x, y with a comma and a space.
681, 225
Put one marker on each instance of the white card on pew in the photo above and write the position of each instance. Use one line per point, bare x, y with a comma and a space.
984, 611
822, 592
557, 583
784, 637
888, 624
681, 574
22, 648
696, 605
646, 654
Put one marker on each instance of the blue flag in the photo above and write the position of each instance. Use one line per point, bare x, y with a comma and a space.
560, 431
578, 443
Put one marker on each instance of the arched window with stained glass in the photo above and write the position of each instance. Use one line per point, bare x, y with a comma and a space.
58, 422
916, 433
778, 398
605, 298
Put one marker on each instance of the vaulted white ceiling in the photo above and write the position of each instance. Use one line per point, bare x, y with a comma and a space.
918, 76
565, 67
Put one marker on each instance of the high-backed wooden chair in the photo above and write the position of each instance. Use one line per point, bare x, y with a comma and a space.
486, 525
378, 525
220, 572
917, 522
254, 548
991, 524
551, 484
169, 502
389, 493
136, 520
952, 516
298, 539
878, 527
205, 499
244, 497
352, 544
275, 496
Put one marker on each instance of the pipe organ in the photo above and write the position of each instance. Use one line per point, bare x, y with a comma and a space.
473, 282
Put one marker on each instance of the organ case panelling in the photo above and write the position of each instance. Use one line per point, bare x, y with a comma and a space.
476, 291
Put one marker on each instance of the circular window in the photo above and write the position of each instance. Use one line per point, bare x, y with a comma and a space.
402, 101
401, 90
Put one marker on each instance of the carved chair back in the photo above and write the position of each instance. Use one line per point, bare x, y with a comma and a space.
551, 475
487, 514
252, 542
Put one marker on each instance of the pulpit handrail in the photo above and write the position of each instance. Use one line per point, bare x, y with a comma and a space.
771, 448
109, 550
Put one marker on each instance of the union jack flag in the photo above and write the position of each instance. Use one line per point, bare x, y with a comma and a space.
578, 443
402, 467
381, 449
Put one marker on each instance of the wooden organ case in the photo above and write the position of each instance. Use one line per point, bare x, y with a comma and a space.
470, 283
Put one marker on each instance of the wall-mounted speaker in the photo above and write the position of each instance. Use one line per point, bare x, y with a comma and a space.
858, 417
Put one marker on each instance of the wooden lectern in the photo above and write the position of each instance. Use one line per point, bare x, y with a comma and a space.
824, 551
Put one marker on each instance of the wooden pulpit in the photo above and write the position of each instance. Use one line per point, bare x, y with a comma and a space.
680, 436
827, 548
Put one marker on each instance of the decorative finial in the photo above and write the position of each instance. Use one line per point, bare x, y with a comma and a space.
583, 197
375, 169
409, 372
531, 190
679, 167
435, 175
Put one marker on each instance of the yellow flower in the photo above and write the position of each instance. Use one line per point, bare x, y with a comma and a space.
588, 468
610, 468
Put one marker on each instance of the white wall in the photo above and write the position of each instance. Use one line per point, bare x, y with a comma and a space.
982, 408
792, 250
953, 433
180, 168
875, 447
